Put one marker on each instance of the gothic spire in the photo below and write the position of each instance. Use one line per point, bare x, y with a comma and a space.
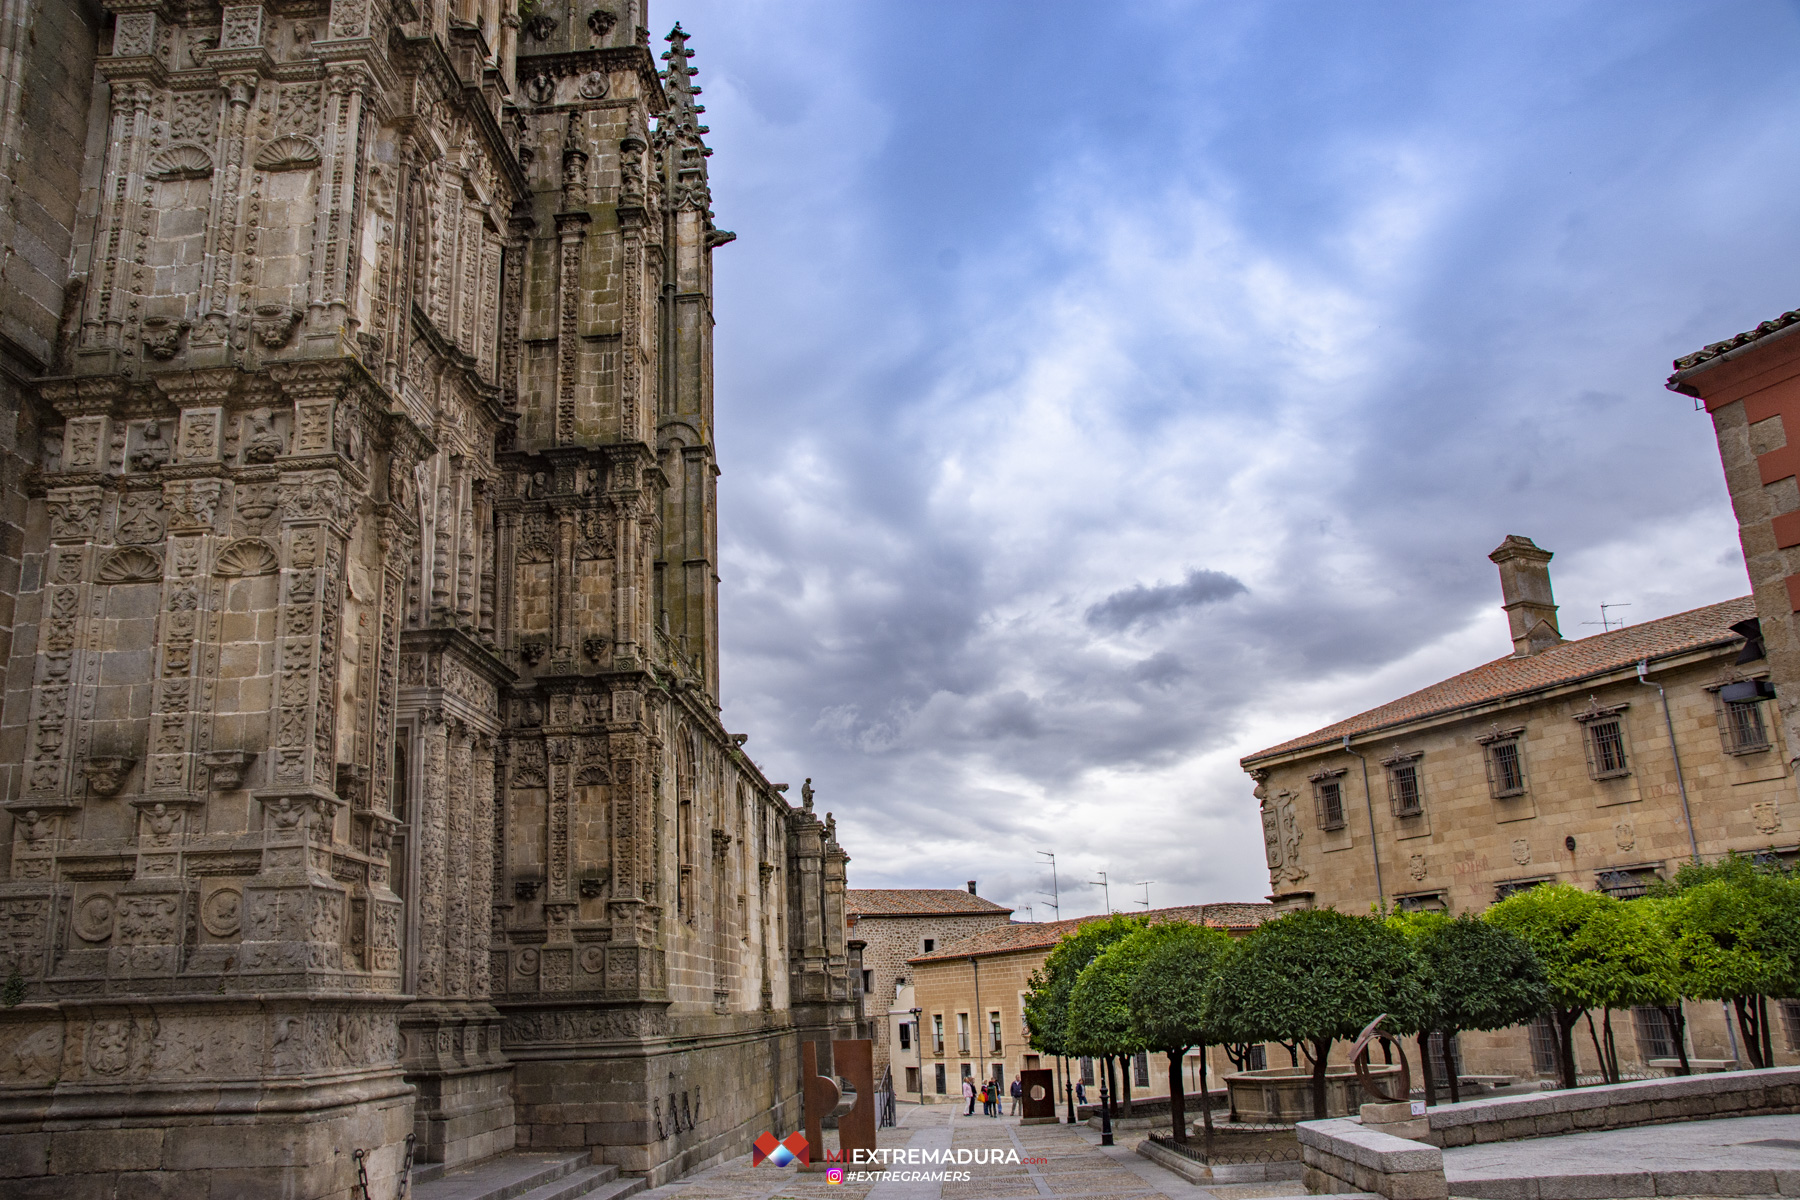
678, 84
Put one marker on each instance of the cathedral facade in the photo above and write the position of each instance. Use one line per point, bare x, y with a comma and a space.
364, 782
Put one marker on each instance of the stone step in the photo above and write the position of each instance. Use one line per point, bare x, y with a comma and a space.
589, 1183
510, 1175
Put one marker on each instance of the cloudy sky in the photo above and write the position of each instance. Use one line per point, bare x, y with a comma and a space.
1109, 390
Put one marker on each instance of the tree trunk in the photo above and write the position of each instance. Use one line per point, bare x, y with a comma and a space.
1425, 1069
1112, 1089
1565, 1043
1747, 1025
1768, 1040
1177, 1109
1452, 1068
1205, 1104
1611, 1049
1127, 1064
1321, 1052
1677, 1019
1594, 1037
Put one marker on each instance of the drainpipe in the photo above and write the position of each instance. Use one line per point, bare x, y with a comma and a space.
1369, 803
980, 1021
1680, 782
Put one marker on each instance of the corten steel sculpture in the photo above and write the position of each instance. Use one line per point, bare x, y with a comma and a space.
1040, 1097
1359, 1058
854, 1063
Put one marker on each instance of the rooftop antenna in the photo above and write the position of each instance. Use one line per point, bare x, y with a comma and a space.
1028, 917
1145, 884
1105, 889
1605, 622
1054, 906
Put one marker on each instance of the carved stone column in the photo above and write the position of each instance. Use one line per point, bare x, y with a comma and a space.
429, 892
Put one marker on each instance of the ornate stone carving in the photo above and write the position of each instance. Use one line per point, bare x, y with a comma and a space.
105, 775
133, 564
247, 556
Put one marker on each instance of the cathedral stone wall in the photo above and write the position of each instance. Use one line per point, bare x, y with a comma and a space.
365, 788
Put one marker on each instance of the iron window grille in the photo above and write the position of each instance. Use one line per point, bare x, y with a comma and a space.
1742, 727
1087, 1072
1140, 1069
1510, 887
962, 1033
1422, 902
1790, 1021
1655, 1036
994, 1031
1543, 1046
1505, 754
937, 1033
941, 1081
1405, 795
1440, 1069
1603, 737
1257, 1058
1627, 883
1328, 798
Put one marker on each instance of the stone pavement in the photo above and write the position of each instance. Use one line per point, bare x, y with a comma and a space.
1074, 1166
1737, 1156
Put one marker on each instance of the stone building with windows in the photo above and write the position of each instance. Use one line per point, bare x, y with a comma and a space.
360, 757
971, 1000
1603, 762
895, 924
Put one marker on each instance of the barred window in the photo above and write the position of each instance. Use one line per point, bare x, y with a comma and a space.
1627, 884
1506, 771
1403, 786
940, 1079
1087, 1071
1606, 749
1510, 887
1790, 1020
1328, 797
1655, 1036
1743, 728
1543, 1047
1140, 1069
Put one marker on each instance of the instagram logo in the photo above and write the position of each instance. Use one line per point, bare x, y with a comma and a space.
834, 1175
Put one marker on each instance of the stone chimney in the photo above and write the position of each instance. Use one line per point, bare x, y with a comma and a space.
1525, 595
971, 887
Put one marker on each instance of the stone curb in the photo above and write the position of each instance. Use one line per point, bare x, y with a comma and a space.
1724, 1181
1345, 1139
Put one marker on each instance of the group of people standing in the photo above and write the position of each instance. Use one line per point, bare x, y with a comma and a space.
989, 1095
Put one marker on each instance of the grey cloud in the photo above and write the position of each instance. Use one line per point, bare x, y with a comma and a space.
1140, 605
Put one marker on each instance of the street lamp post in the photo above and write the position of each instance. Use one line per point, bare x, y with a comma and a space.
1069, 1089
919, 1051
1106, 1138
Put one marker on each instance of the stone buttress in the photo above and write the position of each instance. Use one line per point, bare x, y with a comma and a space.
366, 798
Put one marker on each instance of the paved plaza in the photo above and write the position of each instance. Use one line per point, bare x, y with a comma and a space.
1734, 1156
1075, 1167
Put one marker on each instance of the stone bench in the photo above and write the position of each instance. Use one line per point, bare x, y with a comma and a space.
1343, 1155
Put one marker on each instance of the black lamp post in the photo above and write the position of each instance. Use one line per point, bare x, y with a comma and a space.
1069, 1089
919, 1050
1106, 1138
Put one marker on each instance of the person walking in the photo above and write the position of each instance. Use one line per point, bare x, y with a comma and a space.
1018, 1090
969, 1093
1080, 1093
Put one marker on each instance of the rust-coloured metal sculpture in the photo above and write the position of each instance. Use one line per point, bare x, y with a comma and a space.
1359, 1058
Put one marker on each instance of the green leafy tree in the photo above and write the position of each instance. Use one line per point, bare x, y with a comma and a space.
1473, 976
1047, 1001
1735, 936
1177, 964
1314, 977
1100, 1004
1597, 952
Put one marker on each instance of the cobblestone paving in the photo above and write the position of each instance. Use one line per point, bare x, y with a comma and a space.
1060, 1161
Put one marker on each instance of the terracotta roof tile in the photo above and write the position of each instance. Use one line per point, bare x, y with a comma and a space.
1507, 678
1004, 939
1708, 353
916, 902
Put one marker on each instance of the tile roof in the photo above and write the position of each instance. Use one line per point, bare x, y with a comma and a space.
1004, 939
1708, 353
1511, 678
916, 902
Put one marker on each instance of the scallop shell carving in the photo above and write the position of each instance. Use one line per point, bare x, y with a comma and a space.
133, 564
185, 161
247, 557
288, 153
